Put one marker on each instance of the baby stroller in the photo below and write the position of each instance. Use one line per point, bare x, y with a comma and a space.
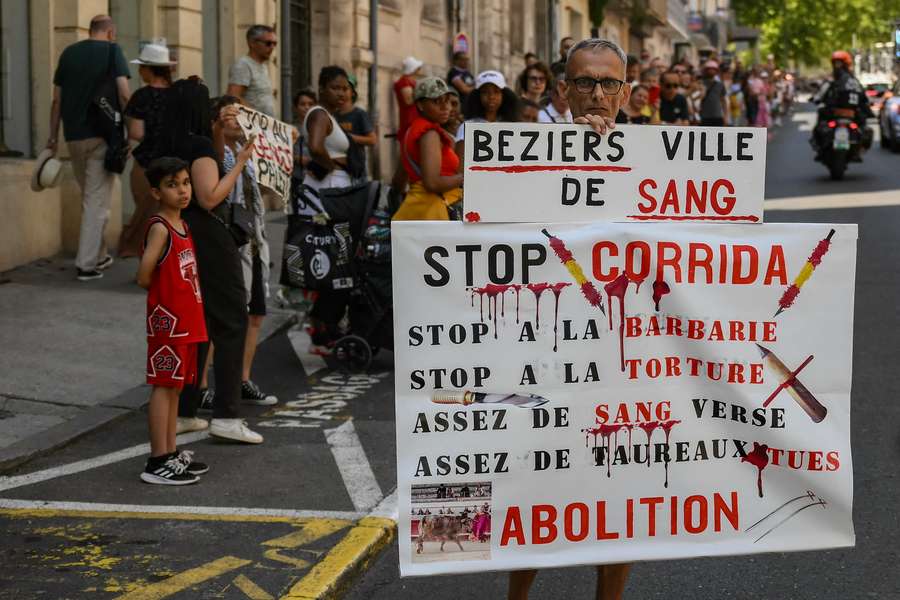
361, 263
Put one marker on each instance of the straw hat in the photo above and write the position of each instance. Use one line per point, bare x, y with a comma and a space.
154, 55
47, 170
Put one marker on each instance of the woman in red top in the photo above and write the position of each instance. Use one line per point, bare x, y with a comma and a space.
428, 157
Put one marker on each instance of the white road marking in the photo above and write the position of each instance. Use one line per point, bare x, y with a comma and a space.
300, 341
387, 508
8, 483
233, 511
354, 467
824, 201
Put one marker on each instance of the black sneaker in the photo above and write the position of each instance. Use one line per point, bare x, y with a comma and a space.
105, 263
89, 275
186, 457
251, 394
206, 399
168, 471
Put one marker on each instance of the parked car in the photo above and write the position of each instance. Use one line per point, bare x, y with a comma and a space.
875, 92
889, 119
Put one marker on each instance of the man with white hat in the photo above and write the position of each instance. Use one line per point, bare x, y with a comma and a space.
403, 90
81, 68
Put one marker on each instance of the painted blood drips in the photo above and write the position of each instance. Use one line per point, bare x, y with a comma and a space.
758, 457
605, 431
491, 290
667, 428
557, 289
616, 289
537, 289
609, 434
660, 289
648, 428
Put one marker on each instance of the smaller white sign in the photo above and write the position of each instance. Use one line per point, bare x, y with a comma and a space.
537, 172
273, 158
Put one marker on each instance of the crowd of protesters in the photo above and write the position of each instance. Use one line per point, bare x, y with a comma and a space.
177, 120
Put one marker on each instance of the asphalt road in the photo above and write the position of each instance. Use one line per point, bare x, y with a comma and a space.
870, 570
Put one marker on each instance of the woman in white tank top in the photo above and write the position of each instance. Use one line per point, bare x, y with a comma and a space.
328, 144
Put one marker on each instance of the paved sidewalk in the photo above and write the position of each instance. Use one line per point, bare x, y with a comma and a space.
73, 352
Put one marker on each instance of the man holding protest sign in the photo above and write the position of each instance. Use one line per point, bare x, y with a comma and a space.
595, 87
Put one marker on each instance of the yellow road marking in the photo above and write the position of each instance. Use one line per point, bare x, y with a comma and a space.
297, 563
309, 532
24, 513
186, 579
360, 543
253, 591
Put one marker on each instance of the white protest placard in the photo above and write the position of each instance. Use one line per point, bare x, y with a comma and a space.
536, 172
273, 158
574, 394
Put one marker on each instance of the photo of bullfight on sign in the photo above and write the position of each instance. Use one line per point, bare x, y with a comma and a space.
451, 522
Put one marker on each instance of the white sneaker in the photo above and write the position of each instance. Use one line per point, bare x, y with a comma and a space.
186, 424
235, 430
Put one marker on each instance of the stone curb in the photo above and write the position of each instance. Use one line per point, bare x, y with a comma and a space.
97, 416
330, 577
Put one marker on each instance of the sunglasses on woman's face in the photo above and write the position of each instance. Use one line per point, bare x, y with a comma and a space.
536, 79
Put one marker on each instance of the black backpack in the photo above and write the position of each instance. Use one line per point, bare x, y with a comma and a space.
105, 115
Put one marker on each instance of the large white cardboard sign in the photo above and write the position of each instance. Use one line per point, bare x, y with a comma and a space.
532, 172
273, 158
572, 394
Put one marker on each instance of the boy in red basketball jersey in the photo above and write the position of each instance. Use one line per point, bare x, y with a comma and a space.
175, 320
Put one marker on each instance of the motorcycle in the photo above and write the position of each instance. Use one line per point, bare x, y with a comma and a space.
840, 141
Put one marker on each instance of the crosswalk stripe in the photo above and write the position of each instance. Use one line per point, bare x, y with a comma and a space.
354, 466
8, 483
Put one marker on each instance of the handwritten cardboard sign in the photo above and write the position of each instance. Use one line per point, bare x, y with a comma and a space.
274, 156
571, 394
535, 172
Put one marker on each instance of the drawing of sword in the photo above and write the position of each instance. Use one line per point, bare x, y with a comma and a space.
468, 397
813, 499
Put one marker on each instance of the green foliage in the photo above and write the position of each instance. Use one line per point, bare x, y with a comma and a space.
807, 31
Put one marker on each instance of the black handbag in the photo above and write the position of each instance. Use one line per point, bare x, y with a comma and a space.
105, 117
240, 224
316, 255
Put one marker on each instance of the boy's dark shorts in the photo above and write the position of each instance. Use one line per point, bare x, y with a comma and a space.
171, 365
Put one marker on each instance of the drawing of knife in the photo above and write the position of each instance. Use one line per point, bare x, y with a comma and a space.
468, 397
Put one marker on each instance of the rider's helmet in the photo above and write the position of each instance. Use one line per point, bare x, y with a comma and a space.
842, 56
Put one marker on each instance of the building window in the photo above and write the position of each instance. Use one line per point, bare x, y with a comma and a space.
15, 69
433, 11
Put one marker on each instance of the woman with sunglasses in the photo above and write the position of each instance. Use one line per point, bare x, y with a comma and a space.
534, 81
428, 157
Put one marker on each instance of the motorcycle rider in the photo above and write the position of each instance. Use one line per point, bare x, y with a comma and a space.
842, 91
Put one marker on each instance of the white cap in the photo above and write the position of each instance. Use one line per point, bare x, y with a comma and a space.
411, 64
154, 55
495, 77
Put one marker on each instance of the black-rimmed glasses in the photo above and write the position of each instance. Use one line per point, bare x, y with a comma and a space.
587, 85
